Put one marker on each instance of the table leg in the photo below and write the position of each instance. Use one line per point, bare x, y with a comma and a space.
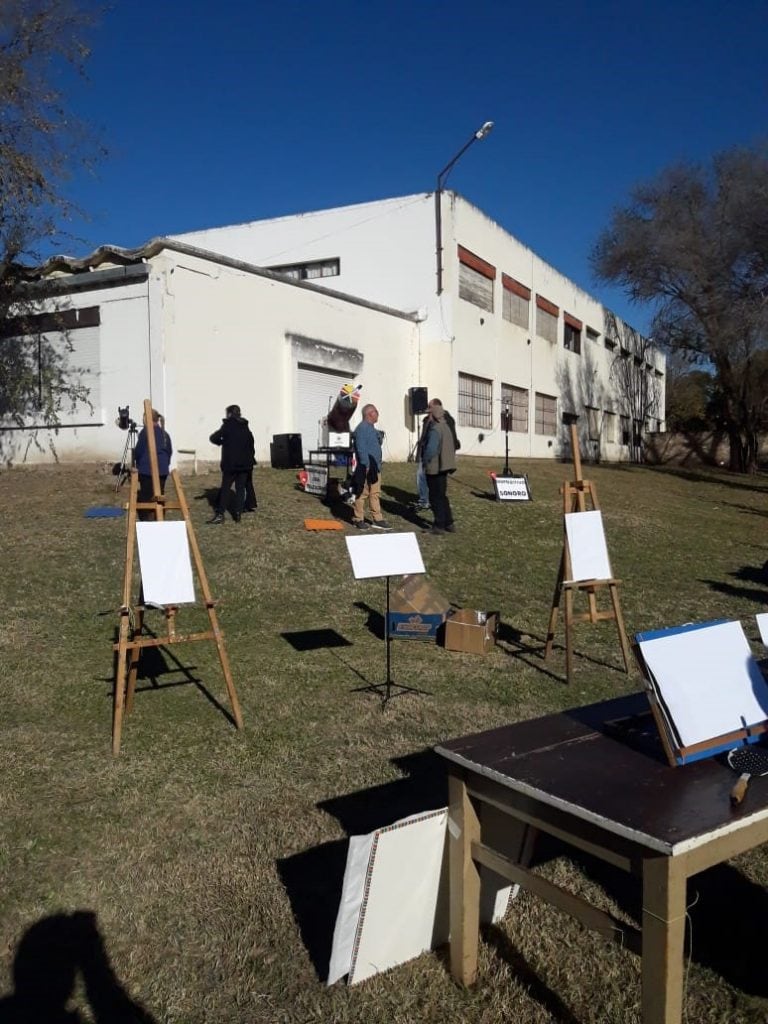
664, 881
463, 830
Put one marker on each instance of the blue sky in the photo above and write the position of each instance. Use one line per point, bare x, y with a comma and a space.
222, 113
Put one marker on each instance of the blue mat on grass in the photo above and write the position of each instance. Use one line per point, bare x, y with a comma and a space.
103, 512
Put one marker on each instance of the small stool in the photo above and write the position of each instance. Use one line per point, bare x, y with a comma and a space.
193, 453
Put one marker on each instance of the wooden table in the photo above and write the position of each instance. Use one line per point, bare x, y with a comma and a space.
597, 779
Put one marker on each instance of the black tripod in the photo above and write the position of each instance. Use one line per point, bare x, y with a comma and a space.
123, 469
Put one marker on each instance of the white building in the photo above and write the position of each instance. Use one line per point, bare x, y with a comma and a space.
196, 323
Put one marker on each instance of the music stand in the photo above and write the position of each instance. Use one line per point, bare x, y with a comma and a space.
391, 554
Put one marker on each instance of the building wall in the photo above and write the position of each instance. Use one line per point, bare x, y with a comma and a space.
387, 253
125, 373
232, 337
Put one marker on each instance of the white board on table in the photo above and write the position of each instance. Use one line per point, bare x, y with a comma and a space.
587, 547
166, 569
389, 554
708, 679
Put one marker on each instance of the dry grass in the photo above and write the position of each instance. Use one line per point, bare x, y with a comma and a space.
212, 860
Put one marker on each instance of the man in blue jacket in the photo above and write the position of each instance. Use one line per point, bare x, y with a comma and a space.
366, 480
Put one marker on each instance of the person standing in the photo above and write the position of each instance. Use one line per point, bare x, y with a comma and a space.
164, 449
422, 502
366, 480
237, 459
439, 461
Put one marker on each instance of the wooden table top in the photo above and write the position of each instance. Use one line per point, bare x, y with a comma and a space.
604, 763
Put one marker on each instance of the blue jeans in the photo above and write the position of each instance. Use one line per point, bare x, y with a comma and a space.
421, 484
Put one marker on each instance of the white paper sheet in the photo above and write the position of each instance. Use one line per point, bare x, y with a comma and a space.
762, 625
587, 547
166, 570
389, 554
395, 897
708, 679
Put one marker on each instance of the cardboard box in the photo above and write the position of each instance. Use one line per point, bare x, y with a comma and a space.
416, 610
471, 631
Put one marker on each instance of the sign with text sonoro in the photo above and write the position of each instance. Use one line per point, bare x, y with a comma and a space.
511, 488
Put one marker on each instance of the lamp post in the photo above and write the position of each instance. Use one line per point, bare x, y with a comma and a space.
481, 133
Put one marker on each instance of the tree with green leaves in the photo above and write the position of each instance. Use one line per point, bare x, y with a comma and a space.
694, 243
41, 146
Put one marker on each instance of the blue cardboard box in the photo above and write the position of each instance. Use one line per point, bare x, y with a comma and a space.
417, 610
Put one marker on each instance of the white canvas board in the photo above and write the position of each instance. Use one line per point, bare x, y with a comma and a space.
390, 554
395, 897
762, 625
587, 547
708, 679
166, 570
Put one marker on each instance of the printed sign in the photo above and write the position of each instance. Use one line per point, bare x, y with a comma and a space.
511, 488
317, 480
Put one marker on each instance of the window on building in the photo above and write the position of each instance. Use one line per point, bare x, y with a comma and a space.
593, 423
309, 271
475, 401
546, 414
609, 421
476, 279
572, 333
516, 401
516, 302
625, 436
592, 335
637, 433
47, 347
547, 314
610, 343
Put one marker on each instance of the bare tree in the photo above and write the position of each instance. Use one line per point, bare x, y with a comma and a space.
695, 244
634, 378
41, 146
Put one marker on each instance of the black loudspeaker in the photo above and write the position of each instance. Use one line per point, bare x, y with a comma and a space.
506, 419
419, 401
285, 451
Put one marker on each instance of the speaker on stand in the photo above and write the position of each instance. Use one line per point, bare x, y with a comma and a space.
419, 401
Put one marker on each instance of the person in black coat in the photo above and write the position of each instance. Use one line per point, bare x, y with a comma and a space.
237, 460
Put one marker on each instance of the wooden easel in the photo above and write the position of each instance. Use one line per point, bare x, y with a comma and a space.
575, 495
131, 641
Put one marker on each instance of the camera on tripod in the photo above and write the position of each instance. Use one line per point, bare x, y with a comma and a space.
124, 421
122, 469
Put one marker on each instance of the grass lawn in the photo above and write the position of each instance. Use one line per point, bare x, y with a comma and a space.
197, 876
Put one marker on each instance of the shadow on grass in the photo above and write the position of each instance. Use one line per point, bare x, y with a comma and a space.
53, 954
155, 662
698, 477
721, 903
525, 974
759, 597
313, 878
484, 494
375, 621
517, 644
315, 639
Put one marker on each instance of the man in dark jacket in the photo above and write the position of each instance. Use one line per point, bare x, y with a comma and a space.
237, 460
439, 458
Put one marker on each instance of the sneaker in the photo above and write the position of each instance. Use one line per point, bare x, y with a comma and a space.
436, 531
217, 520
381, 524
360, 524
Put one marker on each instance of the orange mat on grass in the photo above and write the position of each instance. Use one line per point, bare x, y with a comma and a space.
322, 524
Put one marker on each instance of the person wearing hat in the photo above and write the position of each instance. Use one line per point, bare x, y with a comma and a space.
237, 459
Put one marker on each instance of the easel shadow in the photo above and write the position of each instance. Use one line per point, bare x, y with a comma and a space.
516, 644
154, 662
313, 878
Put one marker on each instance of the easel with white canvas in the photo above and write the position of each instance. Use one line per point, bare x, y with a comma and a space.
584, 565
165, 580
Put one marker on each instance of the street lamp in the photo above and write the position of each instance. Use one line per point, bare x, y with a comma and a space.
481, 133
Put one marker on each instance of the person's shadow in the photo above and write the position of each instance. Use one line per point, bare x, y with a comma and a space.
51, 954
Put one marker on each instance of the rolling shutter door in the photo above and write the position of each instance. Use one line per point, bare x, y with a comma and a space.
316, 391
